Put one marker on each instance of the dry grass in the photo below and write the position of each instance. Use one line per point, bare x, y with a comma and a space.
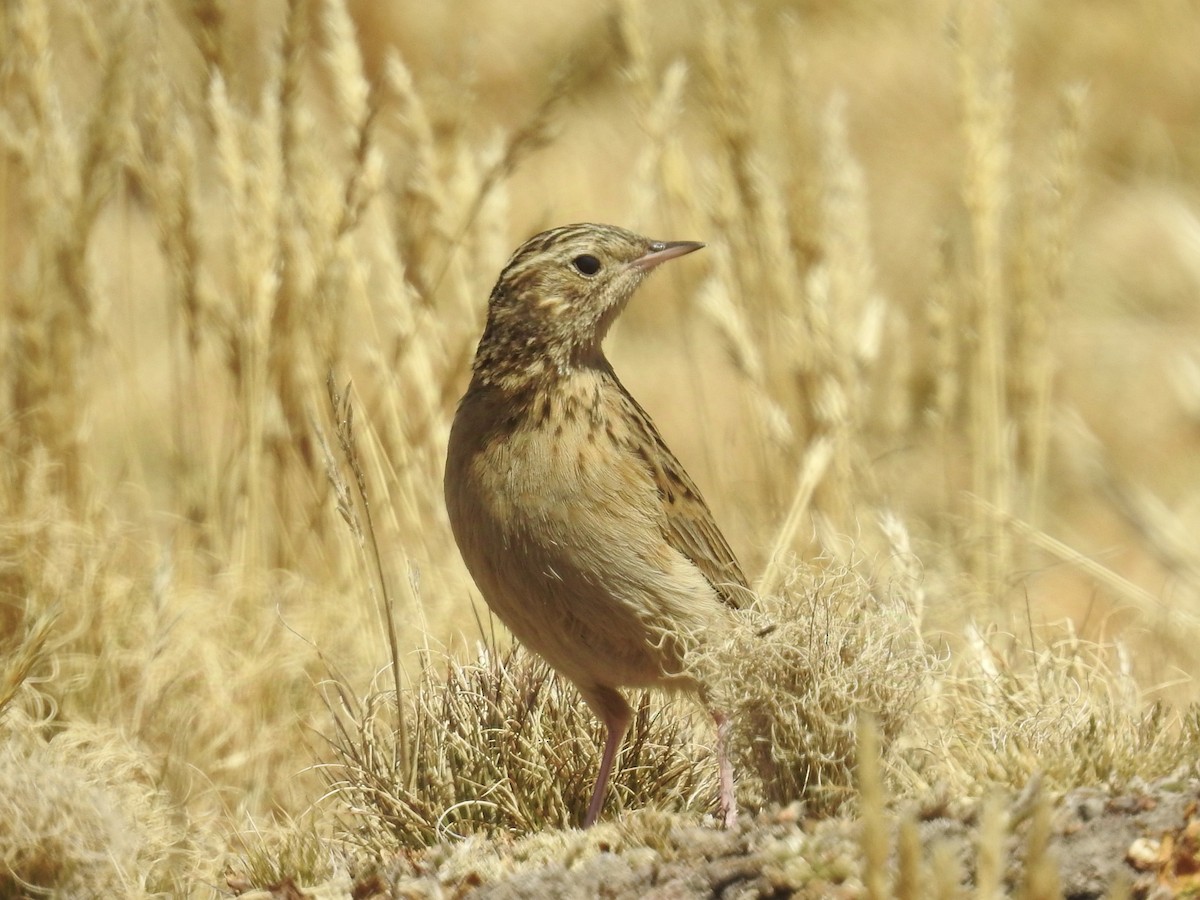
83, 814
945, 348
499, 745
839, 651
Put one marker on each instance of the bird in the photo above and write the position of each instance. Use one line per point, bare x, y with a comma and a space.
582, 531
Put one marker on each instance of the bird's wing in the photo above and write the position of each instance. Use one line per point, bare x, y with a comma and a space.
688, 524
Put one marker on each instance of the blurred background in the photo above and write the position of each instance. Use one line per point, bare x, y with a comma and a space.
947, 322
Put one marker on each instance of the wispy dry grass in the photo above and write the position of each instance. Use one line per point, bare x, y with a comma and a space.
498, 745
934, 261
841, 649
83, 814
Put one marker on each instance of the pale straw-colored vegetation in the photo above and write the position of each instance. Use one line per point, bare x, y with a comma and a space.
938, 374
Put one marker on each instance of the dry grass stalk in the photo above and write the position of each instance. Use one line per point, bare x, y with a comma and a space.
1165, 534
944, 317
253, 191
985, 79
843, 315
815, 463
294, 852
990, 850
874, 838
27, 649
210, 19
947, 872
905, 568
355, 509
66, 178
422, 189
1042, 256
343, 61
1129, 593
661, 174
911, 872
1041, 879
532, 134
167, 169
727, 54
742, 345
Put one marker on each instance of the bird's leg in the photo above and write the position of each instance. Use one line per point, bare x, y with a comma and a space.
611, 743
615, 713
726, 797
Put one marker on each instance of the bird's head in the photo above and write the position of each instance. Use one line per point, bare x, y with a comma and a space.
559, 294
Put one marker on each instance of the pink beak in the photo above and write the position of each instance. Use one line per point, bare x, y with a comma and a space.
661, 251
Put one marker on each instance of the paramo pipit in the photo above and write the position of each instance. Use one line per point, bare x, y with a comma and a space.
581, 529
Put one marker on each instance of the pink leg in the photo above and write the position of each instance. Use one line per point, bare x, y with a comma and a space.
726, 797
615, 712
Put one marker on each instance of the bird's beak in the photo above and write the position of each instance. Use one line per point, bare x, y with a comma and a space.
661, 251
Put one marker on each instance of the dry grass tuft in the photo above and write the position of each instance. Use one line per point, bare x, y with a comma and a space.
837, 651
1067, 709
81, 814
292, 850
498, 745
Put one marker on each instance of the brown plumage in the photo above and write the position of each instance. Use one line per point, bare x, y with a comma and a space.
581, 529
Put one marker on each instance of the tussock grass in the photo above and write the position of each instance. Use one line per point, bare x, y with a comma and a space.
294, 851
836, 652
1067, 709
499, 745
81, 813
943, 349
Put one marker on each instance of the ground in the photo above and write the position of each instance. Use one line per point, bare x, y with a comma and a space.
1146, 838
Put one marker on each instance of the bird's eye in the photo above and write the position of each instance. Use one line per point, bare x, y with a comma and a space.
586, 264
